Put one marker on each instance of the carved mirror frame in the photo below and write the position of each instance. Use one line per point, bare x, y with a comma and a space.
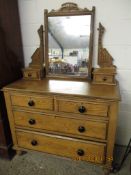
69, 9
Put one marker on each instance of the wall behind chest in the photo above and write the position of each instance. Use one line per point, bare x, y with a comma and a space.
116, 17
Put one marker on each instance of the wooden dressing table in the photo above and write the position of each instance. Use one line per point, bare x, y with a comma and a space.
63, 114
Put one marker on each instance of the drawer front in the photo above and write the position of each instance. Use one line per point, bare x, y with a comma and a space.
73, 148
35, 102
99, 109
104, 78
30, 74
60, 124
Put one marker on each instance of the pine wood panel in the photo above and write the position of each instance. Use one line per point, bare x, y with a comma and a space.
10, 116
62, 146
61, 124
113, 112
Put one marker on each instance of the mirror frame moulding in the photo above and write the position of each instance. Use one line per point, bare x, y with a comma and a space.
69, 9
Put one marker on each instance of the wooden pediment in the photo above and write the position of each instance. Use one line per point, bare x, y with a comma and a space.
69, 7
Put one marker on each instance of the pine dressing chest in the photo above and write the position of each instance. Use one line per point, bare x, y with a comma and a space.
54, 109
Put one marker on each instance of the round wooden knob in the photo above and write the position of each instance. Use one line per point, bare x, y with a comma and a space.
34, 143
29, 75
104, 79
80, 152
32, 121
81, 129
31, 103
82, 109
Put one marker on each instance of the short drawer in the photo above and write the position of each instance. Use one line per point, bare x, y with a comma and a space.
30, 74
82, 107
104, 78
39, 102
63, 146
61, 124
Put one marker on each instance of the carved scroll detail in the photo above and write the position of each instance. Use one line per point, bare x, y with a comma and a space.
107, 71
38, 56
104, 57
68, 7
36, 70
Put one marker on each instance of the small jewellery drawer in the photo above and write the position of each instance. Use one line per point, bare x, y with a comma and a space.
104, 78
36, 102
33, 73
63, 146
30, 74
82, 107
61, 124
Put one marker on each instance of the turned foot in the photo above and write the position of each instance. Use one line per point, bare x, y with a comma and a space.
106, 170
19, 152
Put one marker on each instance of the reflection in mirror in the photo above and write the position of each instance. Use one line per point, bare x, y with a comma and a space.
68, 38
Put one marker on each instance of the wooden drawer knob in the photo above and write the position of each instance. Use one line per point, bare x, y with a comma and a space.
34, 143
82, 109
104, 79
81, 129
80, 152
29, 75
31, 103
32, 121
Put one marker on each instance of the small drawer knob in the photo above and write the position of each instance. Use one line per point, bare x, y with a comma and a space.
32, 121
82, 109
29, 75
81, 129
31, 103
104, 79
80, 152
34, 143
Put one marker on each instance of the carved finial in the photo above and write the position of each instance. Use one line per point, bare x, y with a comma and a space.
104, 58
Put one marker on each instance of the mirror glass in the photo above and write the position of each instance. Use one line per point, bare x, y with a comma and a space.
68, 45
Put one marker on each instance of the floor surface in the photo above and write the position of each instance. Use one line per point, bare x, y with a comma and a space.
35, 163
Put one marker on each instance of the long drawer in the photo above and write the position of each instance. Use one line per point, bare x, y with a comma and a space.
63, 146
60, 124
30, 101
82, 107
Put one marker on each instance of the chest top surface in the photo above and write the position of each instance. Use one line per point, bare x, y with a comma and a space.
66, 87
